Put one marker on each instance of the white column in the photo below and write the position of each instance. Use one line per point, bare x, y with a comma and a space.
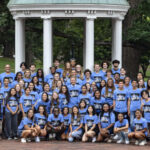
47, 44
89, 60
84, 46
117, 40
19, 42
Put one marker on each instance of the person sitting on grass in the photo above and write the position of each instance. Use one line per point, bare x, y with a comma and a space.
55, 125
40, 120
140, 129
121, 130
26, 128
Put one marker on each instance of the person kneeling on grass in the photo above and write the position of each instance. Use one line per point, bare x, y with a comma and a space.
40, 120
106, 123
55, 125
140, 129
121, 129
75, 125
26, 129
90, 121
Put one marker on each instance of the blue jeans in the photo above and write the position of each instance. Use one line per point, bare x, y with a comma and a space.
123, 135
76, 134
11, 123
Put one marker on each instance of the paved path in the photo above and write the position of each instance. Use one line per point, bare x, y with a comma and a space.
63, 145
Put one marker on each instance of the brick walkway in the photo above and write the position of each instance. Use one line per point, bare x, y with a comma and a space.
61, 145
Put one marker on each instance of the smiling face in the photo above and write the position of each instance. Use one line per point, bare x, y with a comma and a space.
44, 97
13, 92
7, 68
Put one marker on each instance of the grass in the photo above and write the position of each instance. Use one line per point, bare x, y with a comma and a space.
11, 61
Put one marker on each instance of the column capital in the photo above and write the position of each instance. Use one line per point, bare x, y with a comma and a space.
91, 17
46, 17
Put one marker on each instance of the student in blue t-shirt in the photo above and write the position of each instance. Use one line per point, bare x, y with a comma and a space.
7, 74
11, 114
67, 120
84, 96
105, 66
26, 128
120, 100
97, 101
1, 104
134, 101
17, 79
40, 120
74, 91
108, 91
127, 83
40, 76
37, 85
76, 124
145, 106
87, 77
140, 129
90, 121
82, 109
27, 78
45, 102
121, 128
55, 125
106, 123
97, 76
58, 70
26, 102
64, 96
115, 68
33, 93
51, 75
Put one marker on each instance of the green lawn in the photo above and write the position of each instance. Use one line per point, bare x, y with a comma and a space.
4, 61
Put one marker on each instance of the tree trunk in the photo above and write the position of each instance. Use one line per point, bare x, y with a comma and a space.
29, 58
8, 51
131, 55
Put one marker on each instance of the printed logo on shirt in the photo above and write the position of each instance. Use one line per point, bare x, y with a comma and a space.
75, 122
66, 122
105, 119
26, 84
138, 126
33, 97
74, 93
1, 96
82, 114
90, 122
121, 97
97, 106
97, 79
13, 103
27, 102
10, 79
49, 97
64, 101
110, 95
40, 82
41, 121
56, 123
147, 108
30, 124
6, 93
135, 97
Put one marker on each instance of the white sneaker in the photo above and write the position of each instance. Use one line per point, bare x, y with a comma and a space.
142, 143
109, 140
50, 136
54, 135
120, 141
137, 142
23, 140
116, 137
37, 139
127, 142
93, 139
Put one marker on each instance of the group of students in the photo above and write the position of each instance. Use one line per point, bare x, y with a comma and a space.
103, 105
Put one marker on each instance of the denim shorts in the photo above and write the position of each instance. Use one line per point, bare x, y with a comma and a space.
19, 133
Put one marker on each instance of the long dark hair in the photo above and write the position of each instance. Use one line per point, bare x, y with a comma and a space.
33, 114
9, 95
17, 75
42, 96
33, 79
42, 76
92, 108
148, 86
66, 94
78, 115
44, 113
102, 112
34, 89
